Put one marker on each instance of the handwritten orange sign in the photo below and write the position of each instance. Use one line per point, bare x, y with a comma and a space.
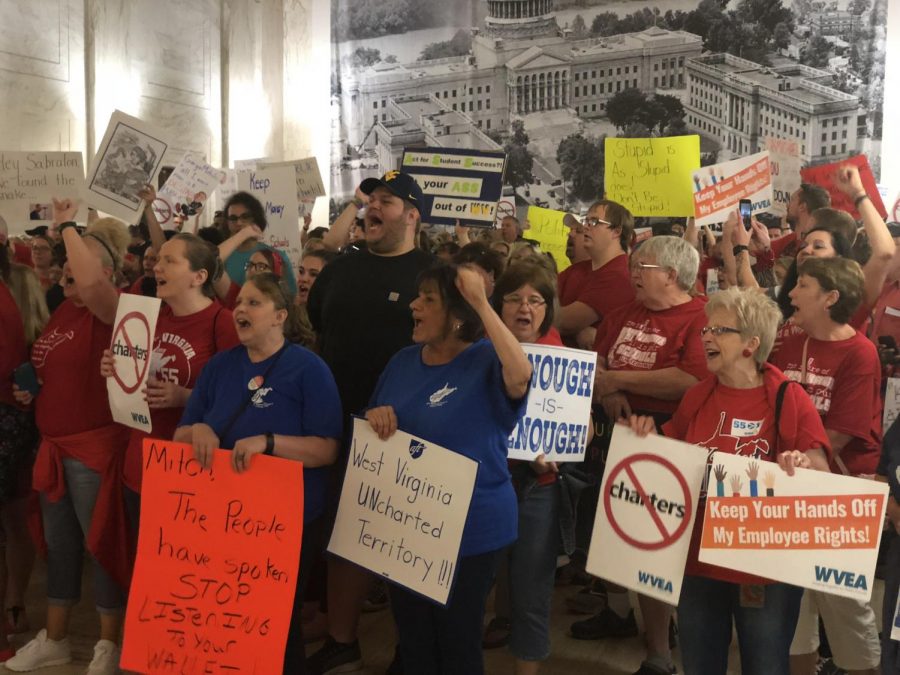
217, 562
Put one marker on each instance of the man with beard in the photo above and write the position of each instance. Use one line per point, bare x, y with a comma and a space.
806, 199
359, 306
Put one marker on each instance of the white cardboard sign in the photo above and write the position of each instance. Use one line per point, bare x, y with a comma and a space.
891, 402
557, 418
719, 188
276, 188
309, 182
646, 513
785, 165
132, 345
192, 180
814, 529
30, 180
130, 156
403, 508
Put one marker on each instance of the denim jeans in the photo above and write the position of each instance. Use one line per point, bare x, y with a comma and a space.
705, 615
437, 640
532, 567
66, 524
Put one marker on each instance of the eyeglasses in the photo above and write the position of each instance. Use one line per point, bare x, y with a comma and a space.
595, 222
532, 301
243, 217
256, 267
718, 331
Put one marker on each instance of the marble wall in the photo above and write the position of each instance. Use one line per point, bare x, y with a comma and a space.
229, 79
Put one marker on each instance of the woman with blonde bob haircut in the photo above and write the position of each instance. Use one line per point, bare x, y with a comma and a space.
749, 408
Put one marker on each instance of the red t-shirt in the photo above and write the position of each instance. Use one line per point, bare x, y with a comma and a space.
551, 339
230, 300
67, 357
843, 378
786, 245
741, 422
181, 347
886, 317
636, 338
13, 349
603, 289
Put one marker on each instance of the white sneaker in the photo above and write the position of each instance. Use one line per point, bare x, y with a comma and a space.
106, 659
41, 652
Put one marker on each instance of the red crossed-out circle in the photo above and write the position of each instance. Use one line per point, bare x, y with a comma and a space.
667, 538
139, 372
163, 209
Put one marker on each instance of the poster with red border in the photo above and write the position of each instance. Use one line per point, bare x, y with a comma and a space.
646, 513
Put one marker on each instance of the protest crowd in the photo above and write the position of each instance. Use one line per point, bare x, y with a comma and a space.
789, 323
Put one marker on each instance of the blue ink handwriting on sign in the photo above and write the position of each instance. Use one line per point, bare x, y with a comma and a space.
259, 183
273, 209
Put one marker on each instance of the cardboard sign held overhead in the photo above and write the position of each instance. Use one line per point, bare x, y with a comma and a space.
403, 508
823, 175
276, 189
132, 346
817, 529
648, 504
652, 176
463, 185
217, 561
556, 420
30, 180
129, 157
546, 227
784, 164
309, 182
193, 180
719, 188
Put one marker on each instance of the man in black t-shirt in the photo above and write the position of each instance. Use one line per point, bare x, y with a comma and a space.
359, 306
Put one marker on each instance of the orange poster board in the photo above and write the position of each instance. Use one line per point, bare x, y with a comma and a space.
217, 561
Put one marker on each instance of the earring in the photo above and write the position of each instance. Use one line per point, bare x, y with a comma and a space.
747, 353
457, 326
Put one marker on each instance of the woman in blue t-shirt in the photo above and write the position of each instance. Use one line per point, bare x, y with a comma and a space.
464, 393
268, 396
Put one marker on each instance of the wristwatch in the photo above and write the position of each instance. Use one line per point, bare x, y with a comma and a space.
270, 443
740, 248
64, 226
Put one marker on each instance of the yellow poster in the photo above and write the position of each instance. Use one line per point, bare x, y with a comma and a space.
652, 176
546, 227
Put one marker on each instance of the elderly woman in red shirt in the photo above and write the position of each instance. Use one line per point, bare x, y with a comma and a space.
747, 407
649, 354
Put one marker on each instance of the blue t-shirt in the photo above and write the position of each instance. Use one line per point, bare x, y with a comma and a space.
235, 263
462, 406
298, 398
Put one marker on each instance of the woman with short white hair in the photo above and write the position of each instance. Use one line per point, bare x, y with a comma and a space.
737, 339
